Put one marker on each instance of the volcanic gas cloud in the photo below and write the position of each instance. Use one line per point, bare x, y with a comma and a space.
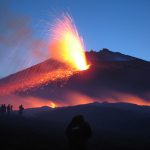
65, 46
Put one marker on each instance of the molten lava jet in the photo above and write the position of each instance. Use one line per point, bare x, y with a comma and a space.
66, 46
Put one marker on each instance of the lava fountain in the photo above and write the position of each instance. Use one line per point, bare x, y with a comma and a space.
65, 46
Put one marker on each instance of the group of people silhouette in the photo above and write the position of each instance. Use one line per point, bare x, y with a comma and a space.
9, 109
4, 108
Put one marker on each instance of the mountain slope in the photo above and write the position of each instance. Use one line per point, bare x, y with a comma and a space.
125, 80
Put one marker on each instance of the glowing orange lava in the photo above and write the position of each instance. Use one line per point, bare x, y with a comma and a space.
53, 105
66, 45
33, 79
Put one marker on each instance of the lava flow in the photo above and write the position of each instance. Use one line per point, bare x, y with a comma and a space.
66, 47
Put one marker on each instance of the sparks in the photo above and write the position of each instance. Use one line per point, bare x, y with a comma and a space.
66, 45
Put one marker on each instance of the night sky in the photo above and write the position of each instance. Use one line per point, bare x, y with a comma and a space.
119, 25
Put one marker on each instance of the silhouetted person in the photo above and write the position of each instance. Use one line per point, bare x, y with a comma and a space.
21, 108
8, 109
11, 108
3, 108
78, 132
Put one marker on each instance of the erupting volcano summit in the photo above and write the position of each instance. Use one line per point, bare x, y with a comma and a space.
66, 48
66, 44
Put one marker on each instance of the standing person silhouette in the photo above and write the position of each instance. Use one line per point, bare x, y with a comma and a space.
21, 108
8, 109
78, 132
11, 108
4, 108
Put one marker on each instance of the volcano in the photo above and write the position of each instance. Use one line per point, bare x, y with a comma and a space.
112, 77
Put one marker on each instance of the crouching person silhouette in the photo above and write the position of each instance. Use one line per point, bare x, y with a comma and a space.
78, 132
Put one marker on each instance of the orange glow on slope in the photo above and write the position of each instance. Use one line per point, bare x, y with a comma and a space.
53, 105
27, 102
34, 80
129, 98
71, 99
66, 44
76, 98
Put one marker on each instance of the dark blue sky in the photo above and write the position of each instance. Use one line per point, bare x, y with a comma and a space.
119, 25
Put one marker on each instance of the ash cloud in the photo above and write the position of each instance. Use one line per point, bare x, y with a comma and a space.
19, 47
